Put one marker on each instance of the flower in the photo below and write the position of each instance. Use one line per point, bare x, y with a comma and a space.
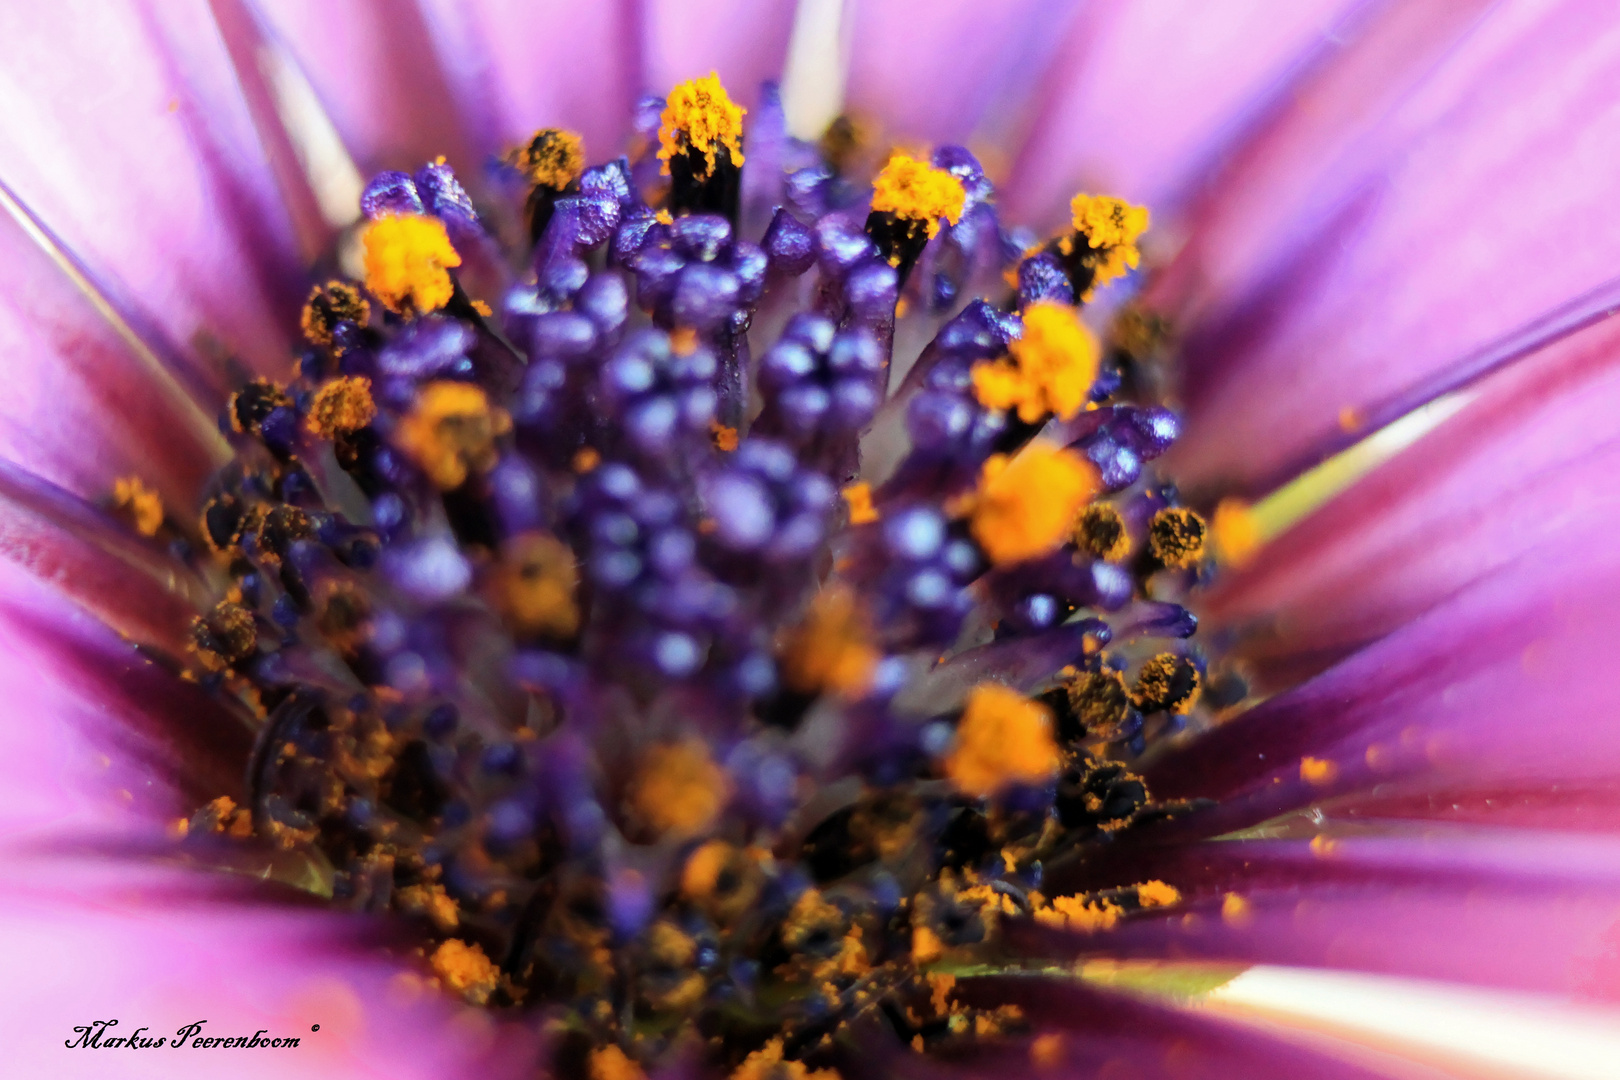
581, 668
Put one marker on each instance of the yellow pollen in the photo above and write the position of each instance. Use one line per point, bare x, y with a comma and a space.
1110, 227
451, 432
1235, 910
678, 789
1003, 738
859, 498
611, 1063
407, 260
1026, 505
1317, 771
925, 946
432, 901
1101, 532
552, 158
833, 649
1153, 894
330, 304
585, 460
700, 116
1176, 537
725, 438
537, 583
1080, 913
1046, 1052
138, 504
465, 970
1237, 532
341, 406
1100, 700
1167, 683
683, 341
767, 1063
916, 191
1048, 370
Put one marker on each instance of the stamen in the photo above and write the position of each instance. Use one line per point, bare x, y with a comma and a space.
1101, 532
408, 258
451, 432
908, 199
1049, 368
1176, 537
1026, 505
552, 162
1167, 683
252, 405
224, 637
465, 970
1003, 738
341, 407
700, 144
678, 790
1103, 244
1100, 702
138, 504
329, 305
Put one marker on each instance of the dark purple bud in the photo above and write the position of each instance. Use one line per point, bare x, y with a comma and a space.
390, 193
788, 244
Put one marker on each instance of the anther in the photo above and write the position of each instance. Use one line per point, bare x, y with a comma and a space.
330, 304
451, 432
1166, 683
1049, 369
225, 636
551, 161
341, 407
1003, 738
250, 406
1026, 505
1100, 703
1176, 537
909, 197
1099, 797
537, 583
407, 260
700, 144
1101, 533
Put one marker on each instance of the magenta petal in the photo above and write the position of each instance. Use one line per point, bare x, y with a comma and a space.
164, 950
374, 67
938, 73
1527, 461
744, 40
124, 130
1502, 685
513, 66
1532, 912
99, 739
83, 403
1117, 1035
1478, 205
1138, 96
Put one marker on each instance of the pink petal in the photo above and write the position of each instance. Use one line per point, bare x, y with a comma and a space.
100, 740
1523, 463
937, 73
1532, 912
375, 68
744, 40
126, 133
1477, 206
162, 950
513, 66
1139, 94
1502, 685
83, 403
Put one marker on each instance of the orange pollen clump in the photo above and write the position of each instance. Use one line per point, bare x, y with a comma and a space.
451, 432
1236, 531
1026, 505
916, 191
678, 789
552, 158
1048, 370
1317, 771
464, 969
767, 1063
341, 406
537, 583
1082, 913
725, 438
833, 649
1047, 1051
408, 259
1003, 738
1109, 228
700, 116
610, 1063
330, 304
139, 504
859, 498
1157, 894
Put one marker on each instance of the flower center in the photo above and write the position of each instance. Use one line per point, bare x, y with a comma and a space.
597, 629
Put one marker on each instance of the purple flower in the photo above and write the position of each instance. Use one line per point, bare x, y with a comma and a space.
628, 631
